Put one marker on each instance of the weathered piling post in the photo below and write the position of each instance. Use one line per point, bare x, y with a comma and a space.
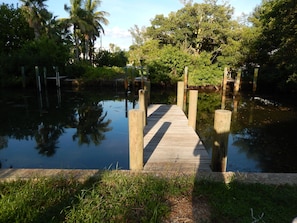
180, 94
237, 82
44, 77
23, 76
141, 70
225, 77
256, 72
126, 85
143, 105
126, 81
222, 123
147, 88
38, 82
136, 142
58, 84
185, 87
224, 87
223, 101
192, 115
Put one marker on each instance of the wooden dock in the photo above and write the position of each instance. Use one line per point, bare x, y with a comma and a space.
170, 144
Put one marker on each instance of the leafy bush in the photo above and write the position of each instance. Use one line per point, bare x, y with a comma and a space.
102, 73
202, 72
76, 70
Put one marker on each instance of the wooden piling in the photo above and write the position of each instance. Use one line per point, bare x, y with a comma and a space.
23, 76
143, 104
126, 85
180, 94
44, 77
225, 77
147, 88
237, 82
136, 142
222, 123
58, 83
38, 82
256, 72
186, 74
192, 115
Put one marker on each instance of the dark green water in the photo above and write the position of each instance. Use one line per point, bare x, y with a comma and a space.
263, 136
89, 129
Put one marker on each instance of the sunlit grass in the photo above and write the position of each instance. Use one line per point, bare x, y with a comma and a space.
115, 196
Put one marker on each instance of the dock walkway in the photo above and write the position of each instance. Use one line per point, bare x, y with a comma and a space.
170, 144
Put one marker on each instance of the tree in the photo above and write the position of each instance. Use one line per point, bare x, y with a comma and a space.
275, 46
204, 32
95, 19
87, 25
195, 28
76, 20
14, 33
106, 58
36, 15
14, 30
137, 35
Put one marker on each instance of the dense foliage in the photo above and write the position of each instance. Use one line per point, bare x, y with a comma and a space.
210, 38
31, 36
275, 45
201, 36
206, 37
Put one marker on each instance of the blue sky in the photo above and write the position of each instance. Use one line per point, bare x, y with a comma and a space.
124, 14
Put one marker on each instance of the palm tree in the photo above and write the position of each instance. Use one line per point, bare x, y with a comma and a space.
87, 24
95, 19
36, 15
76, 19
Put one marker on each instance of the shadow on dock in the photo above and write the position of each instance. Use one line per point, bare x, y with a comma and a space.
155, 115
153, 143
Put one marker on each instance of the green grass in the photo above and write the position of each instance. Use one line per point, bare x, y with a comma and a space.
115, 196
239, 202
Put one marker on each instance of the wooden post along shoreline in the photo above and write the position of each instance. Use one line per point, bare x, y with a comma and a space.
143, 104
136, 139
137, 121
237, 82
192, 115
23, 76
222, 123
256, 72
186, 74
225, 77
38, 83
180, 94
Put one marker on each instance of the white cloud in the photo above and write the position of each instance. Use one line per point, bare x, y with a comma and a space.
119, 36
117, 32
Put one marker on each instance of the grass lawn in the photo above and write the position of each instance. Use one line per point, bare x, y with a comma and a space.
116, 196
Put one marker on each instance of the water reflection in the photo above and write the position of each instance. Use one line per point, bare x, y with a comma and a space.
88, 129
90, 124
262, 137
46, 138
59, 125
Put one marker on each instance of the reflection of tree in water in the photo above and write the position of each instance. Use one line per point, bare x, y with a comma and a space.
47, 138
3, 142
275, 151
89, 121
266, 133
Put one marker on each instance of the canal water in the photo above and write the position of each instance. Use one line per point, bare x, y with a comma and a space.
88, 129
263, 131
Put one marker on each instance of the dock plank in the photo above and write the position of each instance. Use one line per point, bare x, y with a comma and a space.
170, 144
